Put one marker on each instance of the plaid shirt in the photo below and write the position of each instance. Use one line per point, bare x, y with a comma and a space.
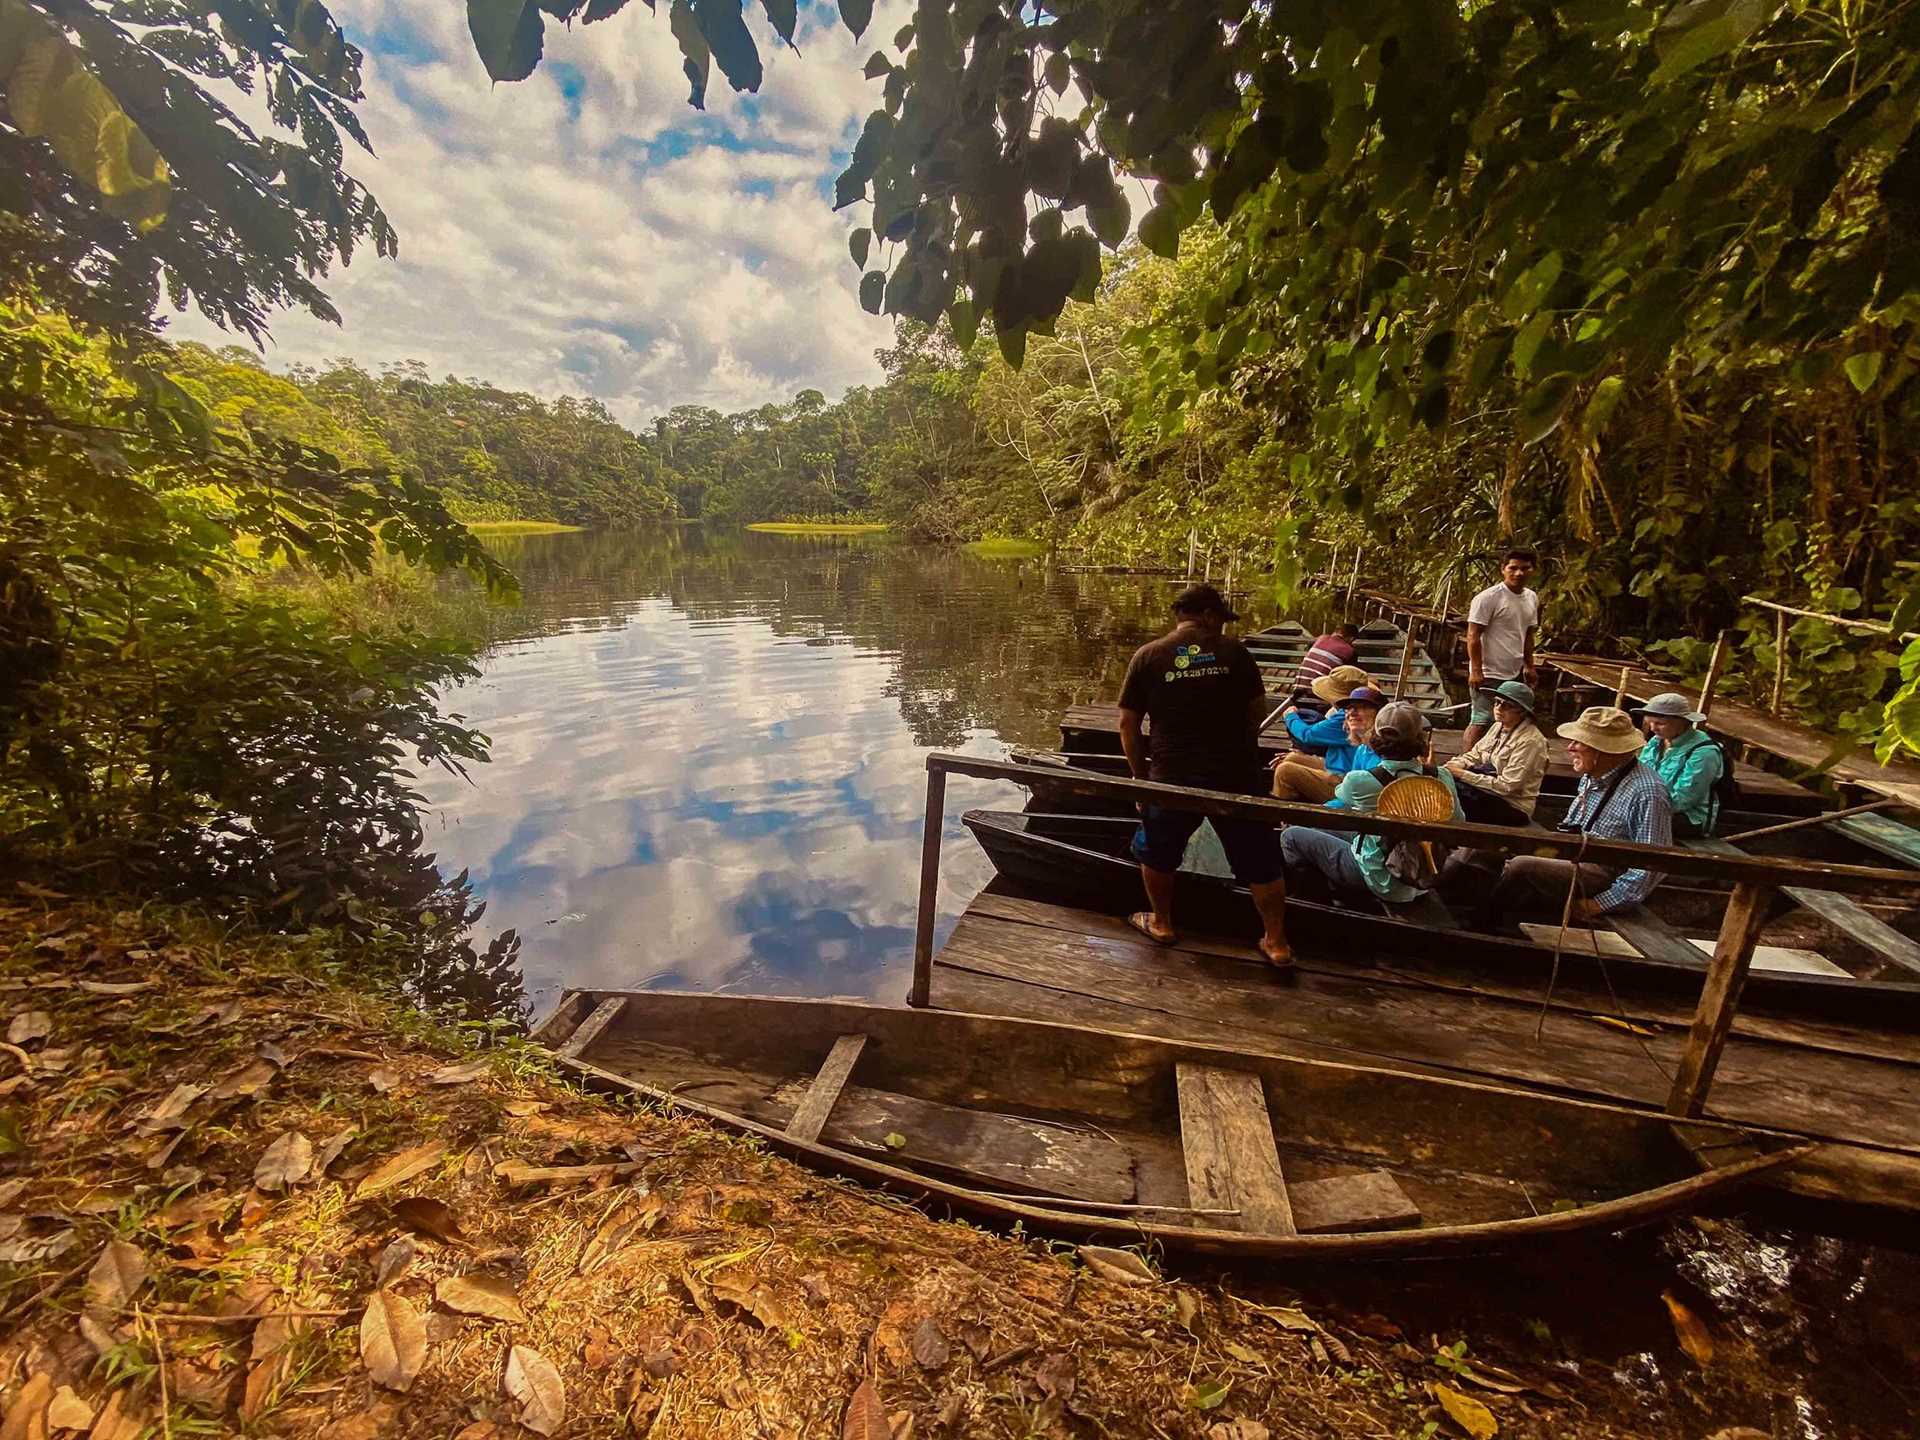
1639, 810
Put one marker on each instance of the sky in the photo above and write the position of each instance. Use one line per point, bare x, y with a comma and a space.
587, 232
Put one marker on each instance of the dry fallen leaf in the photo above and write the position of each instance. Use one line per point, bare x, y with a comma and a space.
622, 1225
460, 1074
1466, 1412
121, 1418
485, 1295
866, 1420
285, 1163
27, 1416
329, 1149
532, 1381
1690, 1330
10, 1190
1241, 1353
262, 1380
1123, 1267
117, 987
32, 1249
401, 1168
521, 1109
1186, 1309
116, 1276
901, 1424
1287, 1317
1740, 1432
393, 1341
739, 1288
382, 1078
29, 1026
68, 1411
1237, 1430
393, 1261
930, 1348
428, 1216
170, 1113
250, 1079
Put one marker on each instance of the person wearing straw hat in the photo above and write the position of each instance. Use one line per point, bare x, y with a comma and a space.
1618, 799
1689, 762
1500, 775
1327, 748
1357, 869
1202, 692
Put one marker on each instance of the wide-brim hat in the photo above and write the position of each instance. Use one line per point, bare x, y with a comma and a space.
1338, 683
1515, 692
1672, 705
1604, 728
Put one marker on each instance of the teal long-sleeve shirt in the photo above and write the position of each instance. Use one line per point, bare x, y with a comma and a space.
1688, 769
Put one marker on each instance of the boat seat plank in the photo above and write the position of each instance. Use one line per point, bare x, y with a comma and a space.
1846, 915
588, 1031
1346, 1204
1892, 838
1654, 938
1232, 1162
981, 1147
811, 1117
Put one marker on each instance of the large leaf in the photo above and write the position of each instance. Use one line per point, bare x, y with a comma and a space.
783, 15
1710, 39
508, 35
535, 1384
1544, 406
393, 1341
730, 41
857, 14
696, 59
1160, 231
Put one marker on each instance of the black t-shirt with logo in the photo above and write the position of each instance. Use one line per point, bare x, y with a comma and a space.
1198, 694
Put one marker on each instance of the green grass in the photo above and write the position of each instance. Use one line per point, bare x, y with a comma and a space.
782, 527
1000, 547
521, 527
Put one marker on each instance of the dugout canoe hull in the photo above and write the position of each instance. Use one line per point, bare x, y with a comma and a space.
1083, 859
1111, 1137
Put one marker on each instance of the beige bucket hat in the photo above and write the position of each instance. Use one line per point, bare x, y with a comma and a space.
1604, 728
1338, 683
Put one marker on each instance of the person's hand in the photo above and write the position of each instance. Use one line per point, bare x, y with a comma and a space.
1476, 680
1532, 674
1587, 911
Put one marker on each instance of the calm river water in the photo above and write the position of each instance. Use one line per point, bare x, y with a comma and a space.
707, 748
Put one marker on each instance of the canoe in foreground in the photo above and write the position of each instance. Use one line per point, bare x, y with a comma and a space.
1125, 1137
1083, 859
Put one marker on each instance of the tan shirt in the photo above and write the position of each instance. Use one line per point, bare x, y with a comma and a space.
1519, 759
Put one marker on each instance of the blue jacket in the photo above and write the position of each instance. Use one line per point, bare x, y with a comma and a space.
1327, 738
1688, 768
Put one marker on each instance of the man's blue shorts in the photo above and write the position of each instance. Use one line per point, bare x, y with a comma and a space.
1483, 698
1252, 850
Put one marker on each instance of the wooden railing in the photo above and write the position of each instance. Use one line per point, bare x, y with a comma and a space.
1754, 878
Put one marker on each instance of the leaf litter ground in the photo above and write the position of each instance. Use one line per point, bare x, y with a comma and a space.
240, 1193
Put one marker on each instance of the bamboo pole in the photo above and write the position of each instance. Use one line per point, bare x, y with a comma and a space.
1825, 817
1354, 583
1714, 667
1720, 997
1193, 546
1406, 662
1620, 695
921, 993
1779, 660
1875, 627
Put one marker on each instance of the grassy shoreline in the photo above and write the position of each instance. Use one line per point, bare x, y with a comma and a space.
1003, 547
783, 527
522, 527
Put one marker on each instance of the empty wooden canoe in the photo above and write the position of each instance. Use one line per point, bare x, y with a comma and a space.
1125, 1137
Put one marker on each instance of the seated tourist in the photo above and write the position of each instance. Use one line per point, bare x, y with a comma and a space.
1329, 652
1354, 867
1341, 738
1689, 762
1618, 799
1500, 775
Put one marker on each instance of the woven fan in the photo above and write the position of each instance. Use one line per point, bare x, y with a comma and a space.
1416, 797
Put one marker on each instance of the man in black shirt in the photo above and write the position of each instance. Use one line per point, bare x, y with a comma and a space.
1205, 698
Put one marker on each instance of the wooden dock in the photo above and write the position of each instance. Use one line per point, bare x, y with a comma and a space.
1859, 1090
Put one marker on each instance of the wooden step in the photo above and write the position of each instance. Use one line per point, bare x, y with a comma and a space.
588, 1030
1232, 1162
1845, 915
1654, 938
811, 1118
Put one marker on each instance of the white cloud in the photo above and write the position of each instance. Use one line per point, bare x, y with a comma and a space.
616, 243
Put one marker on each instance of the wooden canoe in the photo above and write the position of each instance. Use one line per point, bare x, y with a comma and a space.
1084, 860
1127, 1138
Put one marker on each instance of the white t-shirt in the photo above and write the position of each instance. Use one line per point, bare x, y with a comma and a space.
1506, 618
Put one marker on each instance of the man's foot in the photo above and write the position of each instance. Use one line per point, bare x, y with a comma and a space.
1144, 922
1279, 956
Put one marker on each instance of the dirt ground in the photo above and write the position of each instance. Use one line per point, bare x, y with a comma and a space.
243, 1190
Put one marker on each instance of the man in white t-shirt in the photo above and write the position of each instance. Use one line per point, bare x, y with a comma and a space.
1500, 625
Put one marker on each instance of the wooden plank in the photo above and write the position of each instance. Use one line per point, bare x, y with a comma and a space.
1227, 1138
568, 1013
1869, 929
980, 1147
1854, 879
1726, 976
1883, 833
1653, 937
932, 826
811, 1118
1372, 1200
604, 1014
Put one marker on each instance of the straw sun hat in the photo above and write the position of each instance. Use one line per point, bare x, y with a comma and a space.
1603, 728
1338, 683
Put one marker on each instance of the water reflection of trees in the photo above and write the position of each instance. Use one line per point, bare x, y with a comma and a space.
974, 644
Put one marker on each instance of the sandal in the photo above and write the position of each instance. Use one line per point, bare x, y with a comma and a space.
1142, 920
1282, 963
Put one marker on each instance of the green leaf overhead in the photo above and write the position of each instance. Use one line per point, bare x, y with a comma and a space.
733, 49
782, 15
857, 15
508, 34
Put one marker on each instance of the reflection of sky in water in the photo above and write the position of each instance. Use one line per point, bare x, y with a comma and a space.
682, 796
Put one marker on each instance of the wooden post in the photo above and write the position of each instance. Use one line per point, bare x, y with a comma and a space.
922, 992
1354, 583
1193, 546
1714, 666
1779, 659
1406, 662
1620, 695
1720, 997
1333, 567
